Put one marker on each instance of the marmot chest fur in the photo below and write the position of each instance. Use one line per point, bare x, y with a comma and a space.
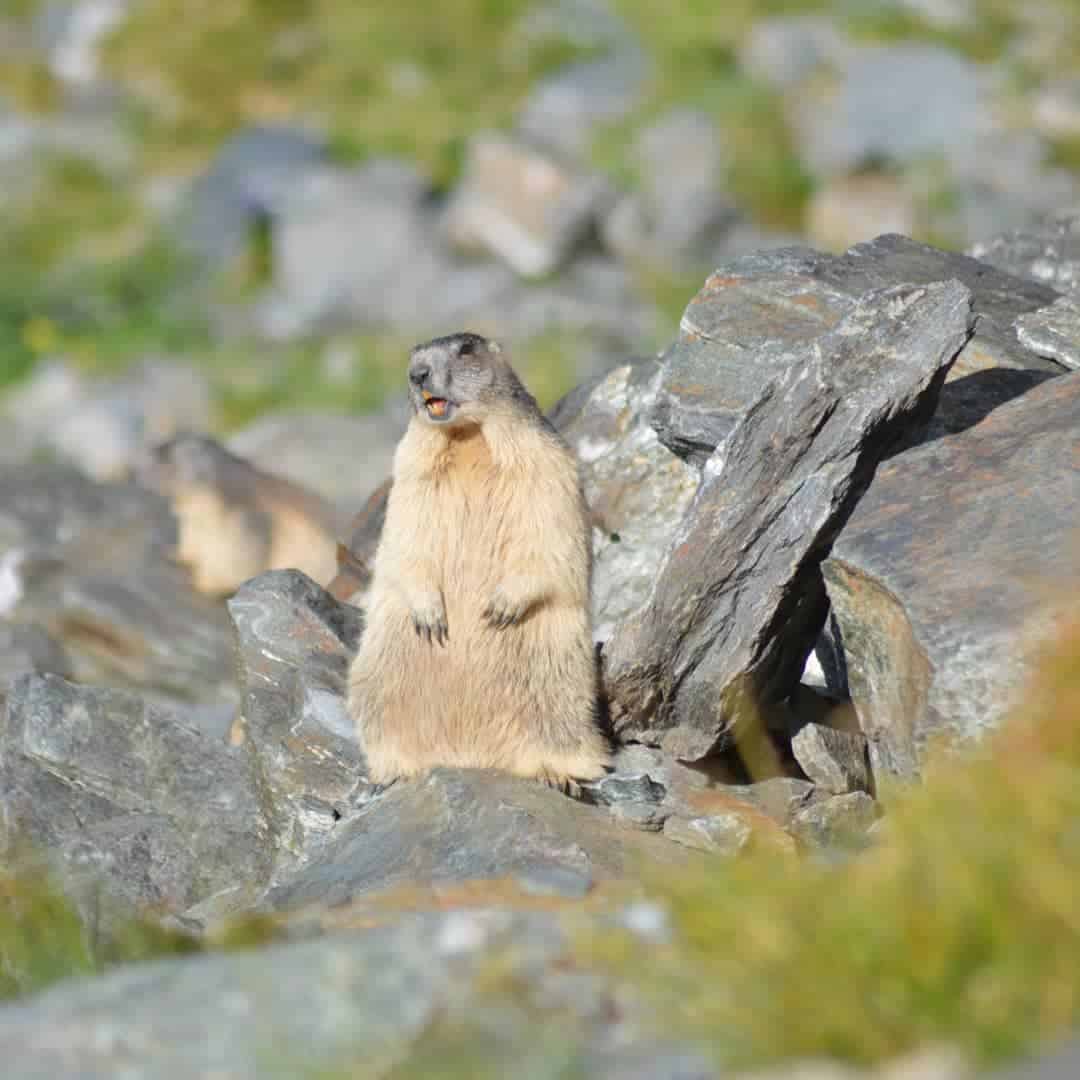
477, 649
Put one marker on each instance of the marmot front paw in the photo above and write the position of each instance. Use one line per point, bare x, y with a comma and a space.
503, 610
429, 620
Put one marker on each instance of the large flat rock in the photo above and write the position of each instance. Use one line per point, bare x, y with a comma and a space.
738, 602
757, 314
948, 572
463, 825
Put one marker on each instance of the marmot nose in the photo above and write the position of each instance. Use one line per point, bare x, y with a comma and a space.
419, 374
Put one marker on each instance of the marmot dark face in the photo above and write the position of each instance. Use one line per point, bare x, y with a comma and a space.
452, 379
183, 459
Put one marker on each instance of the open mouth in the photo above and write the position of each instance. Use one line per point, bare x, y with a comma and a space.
437, 407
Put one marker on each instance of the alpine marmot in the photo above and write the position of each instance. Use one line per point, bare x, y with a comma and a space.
477, 649
235, 520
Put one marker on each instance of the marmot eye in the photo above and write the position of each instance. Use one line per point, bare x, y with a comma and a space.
466, 348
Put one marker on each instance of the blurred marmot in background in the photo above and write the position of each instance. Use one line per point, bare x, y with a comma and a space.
235, 521
477, 649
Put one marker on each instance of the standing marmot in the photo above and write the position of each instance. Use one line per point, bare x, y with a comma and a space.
477, 650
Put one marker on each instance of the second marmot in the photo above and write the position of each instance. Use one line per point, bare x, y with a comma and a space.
477, 649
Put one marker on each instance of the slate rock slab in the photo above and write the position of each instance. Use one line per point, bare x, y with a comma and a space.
948, 572
294, 645
636, 489
1053, 332
757, 314
127, 796
738, 604
1047, 251
460, 825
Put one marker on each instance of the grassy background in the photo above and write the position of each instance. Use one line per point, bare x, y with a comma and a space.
87, 275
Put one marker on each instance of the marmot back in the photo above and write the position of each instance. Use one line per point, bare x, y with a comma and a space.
477, 649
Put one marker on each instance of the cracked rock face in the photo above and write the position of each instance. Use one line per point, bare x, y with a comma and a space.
946, 576
758, 314
738, 603
129, 798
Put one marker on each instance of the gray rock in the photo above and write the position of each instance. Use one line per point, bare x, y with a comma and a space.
636, 489
24, 648
522, 204
785, 50
565, 110
462, 825
1053, 332
835, 760
90, 563
71, 34
1047, 251
128, 797
1007, 180
738, 603
935, 580
249, 181
294, 645
343, 458
105, 425
372, 999
341, 241
759, 314
895, 104
678, 218
839, 821
720, 834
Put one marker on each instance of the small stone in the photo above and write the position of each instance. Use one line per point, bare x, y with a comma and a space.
521, 204
838, 821
618, 788
1053, 332
721, 834
834, 760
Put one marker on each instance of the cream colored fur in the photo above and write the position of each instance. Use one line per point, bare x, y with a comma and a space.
484, 521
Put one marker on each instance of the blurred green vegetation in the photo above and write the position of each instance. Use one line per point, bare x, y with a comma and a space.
87, 273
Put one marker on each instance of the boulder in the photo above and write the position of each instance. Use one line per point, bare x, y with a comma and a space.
738, 603
950, 570
128, 798
758, 314
1046, 251
637, 489
461, 825
294, 646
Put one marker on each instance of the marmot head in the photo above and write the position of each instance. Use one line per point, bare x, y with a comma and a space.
183, 460
459, 379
